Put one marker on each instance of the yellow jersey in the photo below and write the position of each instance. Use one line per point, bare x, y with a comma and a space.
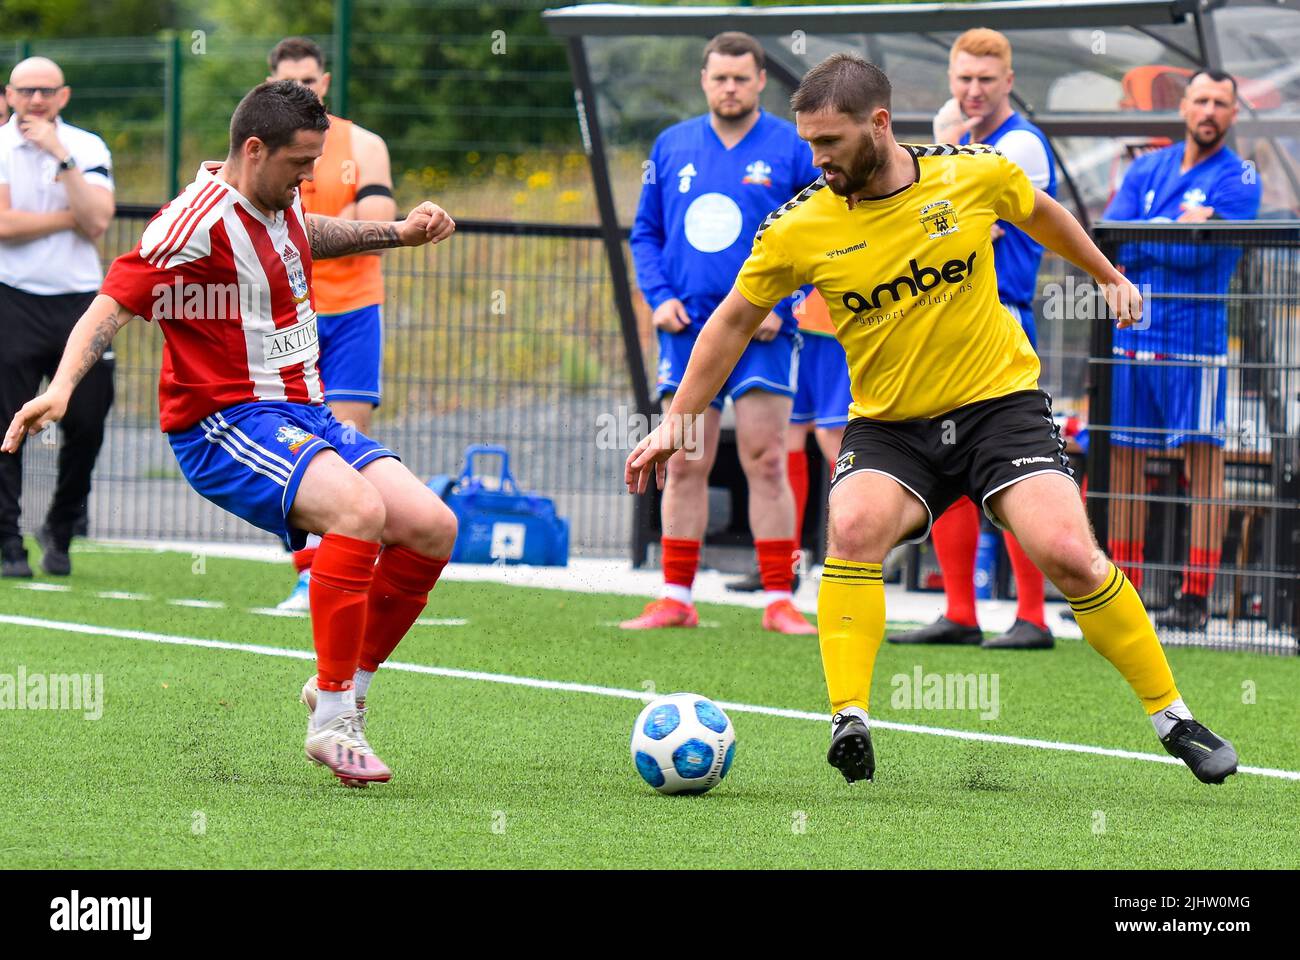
909, 281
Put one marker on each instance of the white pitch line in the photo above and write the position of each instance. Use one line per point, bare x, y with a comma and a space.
273, 612
121, 595
156, 637
441, 622
44, 587
618, 692
198, 604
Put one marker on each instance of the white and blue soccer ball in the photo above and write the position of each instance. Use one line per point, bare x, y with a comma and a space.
683, 743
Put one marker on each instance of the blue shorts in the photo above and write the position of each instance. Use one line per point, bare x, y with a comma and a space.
351, 353
769, 366
249, 459
1026, 317
1169, 406
823, 395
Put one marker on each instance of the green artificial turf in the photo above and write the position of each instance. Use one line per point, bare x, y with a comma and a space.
197, 758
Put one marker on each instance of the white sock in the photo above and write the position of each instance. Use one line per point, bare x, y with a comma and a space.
1165, 720
361, 682
330, 703
853, 712
772, 596
674, 591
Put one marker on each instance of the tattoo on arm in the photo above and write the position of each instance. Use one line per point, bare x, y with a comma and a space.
105, 330
333, 237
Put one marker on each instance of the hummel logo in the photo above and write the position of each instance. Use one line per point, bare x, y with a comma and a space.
832, 254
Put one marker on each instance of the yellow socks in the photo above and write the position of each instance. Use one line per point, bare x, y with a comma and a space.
1116, 625
851, 627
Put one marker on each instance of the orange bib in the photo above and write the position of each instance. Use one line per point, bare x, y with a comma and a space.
813, 315
343, 283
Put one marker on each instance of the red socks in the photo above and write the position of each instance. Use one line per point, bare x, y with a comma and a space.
681, 558
956, 536
302, 559
797, 468
1126, 554
1029, 583
341, 576
1200, 581
403, 579
776, 560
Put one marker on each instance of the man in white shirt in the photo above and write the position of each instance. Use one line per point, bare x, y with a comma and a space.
56, 201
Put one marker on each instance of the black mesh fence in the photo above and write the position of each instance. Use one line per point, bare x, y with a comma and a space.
505, 334
1195, 429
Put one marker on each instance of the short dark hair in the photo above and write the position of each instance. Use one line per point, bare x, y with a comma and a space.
733, 43
1218, 76
295, 48
843, 82
273, 112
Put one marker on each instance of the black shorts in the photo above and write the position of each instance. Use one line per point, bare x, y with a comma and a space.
973, 451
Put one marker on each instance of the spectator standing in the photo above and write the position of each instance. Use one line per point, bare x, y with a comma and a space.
1170, 380
56, 201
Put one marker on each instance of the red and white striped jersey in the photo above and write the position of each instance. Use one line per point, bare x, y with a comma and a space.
231, 289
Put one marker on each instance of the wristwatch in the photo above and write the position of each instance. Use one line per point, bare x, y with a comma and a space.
67, 163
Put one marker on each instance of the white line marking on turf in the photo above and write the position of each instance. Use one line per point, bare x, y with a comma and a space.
121, 595
200, 604
45, 587
618, 692
273, 612
441, 622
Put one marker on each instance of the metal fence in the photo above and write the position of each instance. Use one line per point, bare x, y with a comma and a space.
1194, 467
476, 107
505, 334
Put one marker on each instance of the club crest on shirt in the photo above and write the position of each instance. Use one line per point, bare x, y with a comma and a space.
684, 178
938, 219
758, 173
1194, 197
297, 277
292, 437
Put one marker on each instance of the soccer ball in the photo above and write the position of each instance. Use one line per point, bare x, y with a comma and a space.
683, 743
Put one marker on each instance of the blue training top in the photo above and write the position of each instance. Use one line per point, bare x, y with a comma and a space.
1016, 255
702, 204
1156, 190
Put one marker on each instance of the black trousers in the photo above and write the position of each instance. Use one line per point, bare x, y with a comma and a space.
33, 332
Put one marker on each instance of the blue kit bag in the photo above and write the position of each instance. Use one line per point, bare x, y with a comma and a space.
498, 522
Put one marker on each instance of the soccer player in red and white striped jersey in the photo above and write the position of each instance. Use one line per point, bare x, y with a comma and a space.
225, 270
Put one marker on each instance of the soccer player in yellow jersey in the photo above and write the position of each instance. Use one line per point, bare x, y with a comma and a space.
946, 401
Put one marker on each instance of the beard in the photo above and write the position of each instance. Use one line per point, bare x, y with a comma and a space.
279, 199
866, 161
734, 112
1206, 140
